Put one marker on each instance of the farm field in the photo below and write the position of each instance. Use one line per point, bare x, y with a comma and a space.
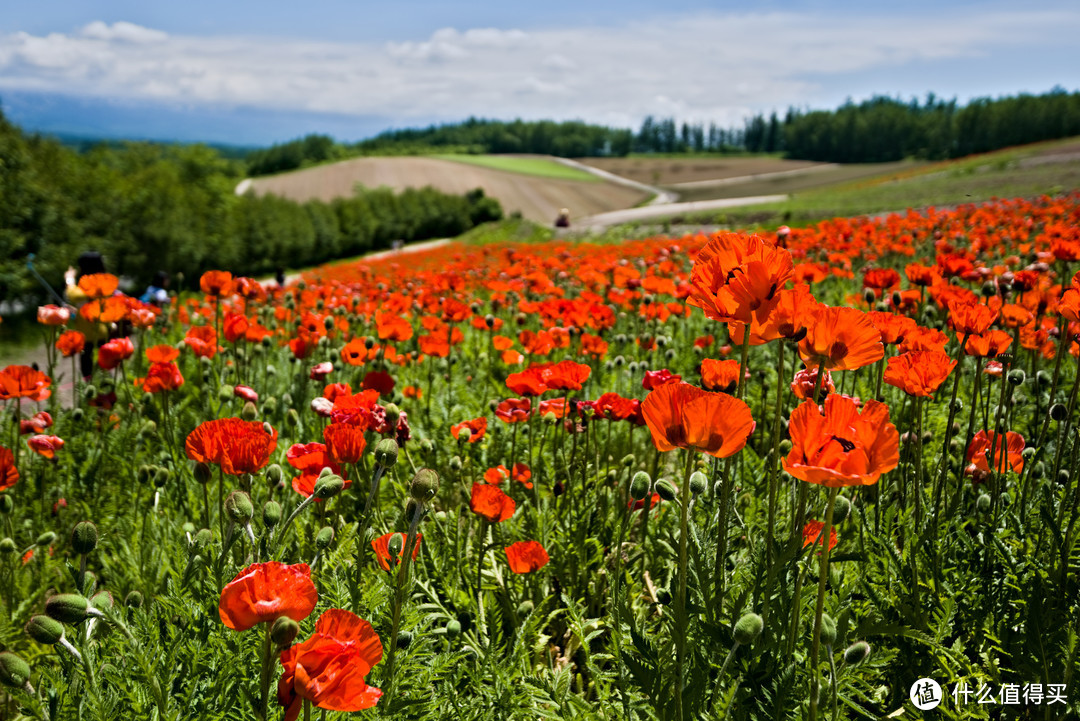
537, 195
672, 170
774, 476
538, 165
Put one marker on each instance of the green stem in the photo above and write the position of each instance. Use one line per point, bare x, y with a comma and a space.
823, 577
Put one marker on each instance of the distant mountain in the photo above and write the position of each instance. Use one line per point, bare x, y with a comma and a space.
76, 118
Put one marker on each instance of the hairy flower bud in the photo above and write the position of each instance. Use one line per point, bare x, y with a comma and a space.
84, 537
271, 514
748, 628
828, 630
856, 653
328, 486
134, 599
239, 508
394, 545
44, 629
67, 607
841, 510
283, 631
698, 483
14, 671
324, 538
639, 485
424, 486
386, 453
666, 489
202, 472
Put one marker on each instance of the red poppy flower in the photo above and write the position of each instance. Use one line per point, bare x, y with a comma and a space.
805, 380
970, 318
24, 382
787, 318
919, 372
892, 327
529, 382
216, 282
234, 326
70, 342
9, 474
985, 447
841, 338
526, 556
263, 592
477, 427
522, 473
842, 447
491, 503
310, 459
115, 352
811, 534
344, 443
53, 315
881, 278
238, 446
330, 668
391, 326
98, 285
246, 393
381, 545
565, 375
657, 378
45, 446
35, 424
682, 416
321, 370
379, 381
513, 410
614, 407
161, 377
990, 344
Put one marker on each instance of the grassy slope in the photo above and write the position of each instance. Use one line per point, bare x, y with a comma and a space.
541, 167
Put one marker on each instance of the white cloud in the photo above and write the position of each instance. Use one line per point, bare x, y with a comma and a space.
706, 66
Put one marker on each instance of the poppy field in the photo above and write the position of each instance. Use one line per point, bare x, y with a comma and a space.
781, 475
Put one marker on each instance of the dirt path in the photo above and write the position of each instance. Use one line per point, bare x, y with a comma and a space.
650, 212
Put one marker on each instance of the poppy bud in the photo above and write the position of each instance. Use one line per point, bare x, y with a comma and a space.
748, 628
283, 631
271, 514
1058, 412
7, 503
67, 608
225, 392
1038, 470
1028, 453
841, 510
666, 489
785, 447
404, 640
239, 508
869, 296
324, 538
1063, 476
386, 453
202, 472
453, 628
464, 435
14, 671
1042, 378
698, 483
328, 486
663, 596
45, 539
525, 608
89, 393
1017, 376
7, 546
828, 630
394, 546
102, 601
983, 503
292, 418
274, 474
84, 537
161, 476
133, 600
45, 630
393, 413
424, 486
455, 463
269, 405
639, 485
203, 538
249, 411
856, 653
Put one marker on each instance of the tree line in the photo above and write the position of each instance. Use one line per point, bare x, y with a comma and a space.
149, 207
880, 129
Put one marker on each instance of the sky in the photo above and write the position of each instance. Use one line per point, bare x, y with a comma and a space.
252, 73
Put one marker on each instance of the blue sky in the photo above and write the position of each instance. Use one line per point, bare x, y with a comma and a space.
255, 72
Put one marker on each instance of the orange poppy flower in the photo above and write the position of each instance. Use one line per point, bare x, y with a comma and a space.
529, 382
330, 668
922, 338
881, 278
788, 318
921, 274
720, 375
1069, 305
842, 447
107, 310
24, 382
70, 342
919, 372
565, 375
892, 327
216, 283
802, 385
683, 416
202, 340
985, 447
811, 534
162, 354
393, 327
344, 443
238, 446
735, 275
491, 503
381, 546
234, 326
969, 318
264, 591
310, 459
1015, 316
526, 556
842, 338
9, 474
98, 285
989, 344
